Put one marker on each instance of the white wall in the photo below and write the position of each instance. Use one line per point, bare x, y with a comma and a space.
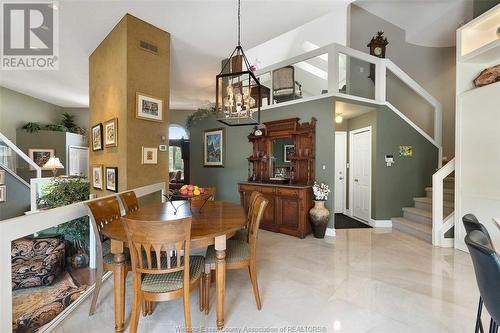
327, 29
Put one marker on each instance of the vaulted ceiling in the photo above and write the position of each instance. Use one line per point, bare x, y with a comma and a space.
203, 32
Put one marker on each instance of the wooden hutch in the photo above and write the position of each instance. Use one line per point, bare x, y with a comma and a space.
282, 168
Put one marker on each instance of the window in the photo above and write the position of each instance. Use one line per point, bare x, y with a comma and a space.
176, 132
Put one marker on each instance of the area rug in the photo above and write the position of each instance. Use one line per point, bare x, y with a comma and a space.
34, 307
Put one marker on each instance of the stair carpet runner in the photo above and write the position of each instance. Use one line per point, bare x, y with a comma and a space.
417, 220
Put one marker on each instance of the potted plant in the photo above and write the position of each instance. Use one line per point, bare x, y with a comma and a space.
319, 213
62, 192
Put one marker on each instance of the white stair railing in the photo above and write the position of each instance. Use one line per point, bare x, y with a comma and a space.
334, 52
6, 142
440, 223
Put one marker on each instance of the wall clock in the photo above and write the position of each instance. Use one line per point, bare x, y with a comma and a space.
377, 48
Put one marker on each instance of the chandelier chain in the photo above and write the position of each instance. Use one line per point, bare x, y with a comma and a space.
239, 18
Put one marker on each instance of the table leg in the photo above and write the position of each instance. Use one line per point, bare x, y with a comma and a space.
119, 284
220, 273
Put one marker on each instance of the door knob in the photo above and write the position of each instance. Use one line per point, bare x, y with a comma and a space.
356, 180
341, 178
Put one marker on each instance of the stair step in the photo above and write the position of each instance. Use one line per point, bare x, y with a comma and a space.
425, 203
417, 215
427, 200
419, 230
448, 193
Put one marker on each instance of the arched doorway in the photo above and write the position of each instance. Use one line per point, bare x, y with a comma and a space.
178, 157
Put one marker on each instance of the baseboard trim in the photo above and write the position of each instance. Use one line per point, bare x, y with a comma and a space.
380, 223
348, 212
330, 232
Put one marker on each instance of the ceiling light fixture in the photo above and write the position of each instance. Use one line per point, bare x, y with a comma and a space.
338, 118
237, 89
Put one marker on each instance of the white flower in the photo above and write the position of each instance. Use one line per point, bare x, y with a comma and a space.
320, 191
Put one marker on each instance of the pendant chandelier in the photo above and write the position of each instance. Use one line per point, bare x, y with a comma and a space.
237, 89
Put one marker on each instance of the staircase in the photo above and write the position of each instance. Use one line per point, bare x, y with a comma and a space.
417, 220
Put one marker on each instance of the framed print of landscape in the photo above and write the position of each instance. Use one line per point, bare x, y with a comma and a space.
213, 148
149, 107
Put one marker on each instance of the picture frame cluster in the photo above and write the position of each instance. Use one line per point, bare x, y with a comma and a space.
105, 135
105, 178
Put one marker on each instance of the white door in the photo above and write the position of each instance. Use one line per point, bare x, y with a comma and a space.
340, 170
360, 169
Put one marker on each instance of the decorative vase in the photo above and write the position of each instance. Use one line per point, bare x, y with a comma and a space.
319, 218
79, 260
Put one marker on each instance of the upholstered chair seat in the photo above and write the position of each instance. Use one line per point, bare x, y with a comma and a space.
236, 251
167, 282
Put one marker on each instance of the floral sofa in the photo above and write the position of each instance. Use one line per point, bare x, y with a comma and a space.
36, 262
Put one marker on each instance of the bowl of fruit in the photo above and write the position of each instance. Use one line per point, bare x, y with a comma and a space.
191, 191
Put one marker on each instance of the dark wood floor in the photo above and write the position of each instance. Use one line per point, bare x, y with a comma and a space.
345, 222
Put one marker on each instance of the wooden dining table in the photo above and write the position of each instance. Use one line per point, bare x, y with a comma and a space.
217, 222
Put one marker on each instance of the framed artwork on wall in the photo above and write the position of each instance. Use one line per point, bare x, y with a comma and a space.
2, 177
149, 155
288, 152
213, 148
406, 151
40, 156
3, 193
96, 133
112, 179
149, 107
111, 133
97, 179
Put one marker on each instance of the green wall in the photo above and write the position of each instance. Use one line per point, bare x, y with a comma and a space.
238, 148
396, 186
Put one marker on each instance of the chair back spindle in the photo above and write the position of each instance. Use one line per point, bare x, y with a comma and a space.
159, 247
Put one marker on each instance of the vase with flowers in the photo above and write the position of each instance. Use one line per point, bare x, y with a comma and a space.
319, 214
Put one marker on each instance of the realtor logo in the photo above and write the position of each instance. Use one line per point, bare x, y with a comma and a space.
30, 34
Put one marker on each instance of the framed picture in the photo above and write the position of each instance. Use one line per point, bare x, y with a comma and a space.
112, 179
40, 156
149, 107
288, 151
149, 155
3, 193
213, 148
97, 137
111, 133
2, 177
406, 151
97, 179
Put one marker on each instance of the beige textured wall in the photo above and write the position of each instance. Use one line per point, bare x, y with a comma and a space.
108, 98
119, 69
147, 73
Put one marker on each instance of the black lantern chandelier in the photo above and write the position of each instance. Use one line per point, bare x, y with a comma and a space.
237, 89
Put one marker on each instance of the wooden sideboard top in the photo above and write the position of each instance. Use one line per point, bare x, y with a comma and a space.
275, 185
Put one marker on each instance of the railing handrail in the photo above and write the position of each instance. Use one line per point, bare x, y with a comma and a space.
22, 154
437, 201
17, 227
380, 85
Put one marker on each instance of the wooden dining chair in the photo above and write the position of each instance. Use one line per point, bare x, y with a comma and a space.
102, 212
129, 200
161, 273
240, 253
242, 234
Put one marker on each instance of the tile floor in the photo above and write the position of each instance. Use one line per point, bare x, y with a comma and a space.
362, 280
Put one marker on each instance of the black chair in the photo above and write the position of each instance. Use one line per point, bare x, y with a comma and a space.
471, 223
487, 268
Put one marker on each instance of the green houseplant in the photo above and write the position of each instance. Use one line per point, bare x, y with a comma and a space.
198, 116
65, 191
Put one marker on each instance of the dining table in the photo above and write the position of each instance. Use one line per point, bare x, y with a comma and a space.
218, 221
